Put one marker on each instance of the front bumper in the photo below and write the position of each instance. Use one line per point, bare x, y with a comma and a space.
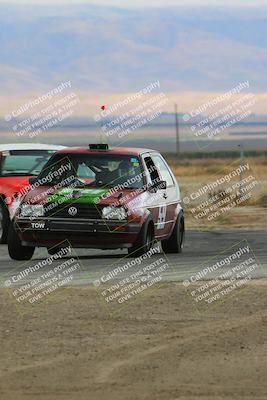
79, 232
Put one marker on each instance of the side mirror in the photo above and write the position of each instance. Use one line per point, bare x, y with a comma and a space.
33, 180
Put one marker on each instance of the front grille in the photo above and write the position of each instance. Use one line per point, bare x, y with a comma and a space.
86, 211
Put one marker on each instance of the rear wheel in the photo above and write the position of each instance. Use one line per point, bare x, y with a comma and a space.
143, 243
175, 242
4, 222
15, 249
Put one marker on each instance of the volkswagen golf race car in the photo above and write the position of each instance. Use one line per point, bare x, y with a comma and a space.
100, 197
17, 163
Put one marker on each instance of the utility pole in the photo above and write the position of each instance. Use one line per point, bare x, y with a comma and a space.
177, 130
241, 164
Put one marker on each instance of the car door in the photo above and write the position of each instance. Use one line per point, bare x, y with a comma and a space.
171, 194
156, 200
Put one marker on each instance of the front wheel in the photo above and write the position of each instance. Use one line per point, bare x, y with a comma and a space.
15, 249
175, 242
4, 222
53, 250
143, 243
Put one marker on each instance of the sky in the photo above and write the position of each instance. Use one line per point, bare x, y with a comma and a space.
193, 54
149, 3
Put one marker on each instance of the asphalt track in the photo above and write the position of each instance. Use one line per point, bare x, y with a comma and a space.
201, 249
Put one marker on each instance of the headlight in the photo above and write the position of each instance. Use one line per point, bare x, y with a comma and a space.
112, 212
35, 211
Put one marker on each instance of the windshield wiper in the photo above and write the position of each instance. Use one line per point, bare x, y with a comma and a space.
16, 174
76, 182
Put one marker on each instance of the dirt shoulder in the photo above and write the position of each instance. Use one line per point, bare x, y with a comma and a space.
156, 347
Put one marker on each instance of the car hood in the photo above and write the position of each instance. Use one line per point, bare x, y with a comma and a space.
16, 183
82, 195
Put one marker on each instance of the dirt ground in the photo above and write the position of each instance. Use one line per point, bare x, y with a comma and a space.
156, 347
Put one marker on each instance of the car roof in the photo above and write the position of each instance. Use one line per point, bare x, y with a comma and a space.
29, 146
112, 150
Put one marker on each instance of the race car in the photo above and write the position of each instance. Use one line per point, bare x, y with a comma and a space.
18, 162
100, 197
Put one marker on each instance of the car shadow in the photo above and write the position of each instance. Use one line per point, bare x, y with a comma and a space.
87, 257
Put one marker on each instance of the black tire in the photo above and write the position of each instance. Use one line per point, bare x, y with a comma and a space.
4, 222
143, 243
176, 241
15, 249
53, 250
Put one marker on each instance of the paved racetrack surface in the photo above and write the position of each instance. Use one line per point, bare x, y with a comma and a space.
201, 249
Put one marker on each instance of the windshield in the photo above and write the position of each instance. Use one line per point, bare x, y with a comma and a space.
96, 171
21, 162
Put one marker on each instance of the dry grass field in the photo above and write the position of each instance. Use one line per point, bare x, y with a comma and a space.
195, 173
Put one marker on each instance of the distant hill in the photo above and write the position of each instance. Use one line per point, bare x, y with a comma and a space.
107, 49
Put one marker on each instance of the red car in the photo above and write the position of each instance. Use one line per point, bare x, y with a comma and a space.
96, 197
17, 163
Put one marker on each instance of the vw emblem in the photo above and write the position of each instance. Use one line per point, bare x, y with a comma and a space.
72, 211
